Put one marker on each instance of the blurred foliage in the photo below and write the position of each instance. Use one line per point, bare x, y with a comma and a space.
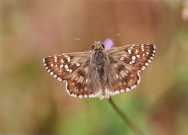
33, 103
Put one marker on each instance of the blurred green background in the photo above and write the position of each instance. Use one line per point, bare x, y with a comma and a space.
31, 102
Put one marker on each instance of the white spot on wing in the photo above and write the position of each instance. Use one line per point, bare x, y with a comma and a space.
77, 64
51, 73
122, 58
132, 87
133, 57
55, 76
48, 70
143, 68
68, 59
70, 70
61, 66
80, 96
66, 67
128, 89
55, 59
129, 51
122, 90
62, 61
43, 60
142, 47
59, 79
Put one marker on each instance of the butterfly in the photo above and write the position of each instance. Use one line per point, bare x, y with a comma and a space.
101, 72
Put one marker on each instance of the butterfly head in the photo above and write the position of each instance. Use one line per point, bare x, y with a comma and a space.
98, 45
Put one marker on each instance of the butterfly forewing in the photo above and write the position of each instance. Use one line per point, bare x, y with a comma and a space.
135, 56
61, 66
80, 83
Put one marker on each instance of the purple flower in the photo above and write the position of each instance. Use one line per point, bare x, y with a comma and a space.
108, 43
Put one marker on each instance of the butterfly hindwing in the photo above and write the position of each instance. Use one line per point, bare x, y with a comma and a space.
122, 78
80, 83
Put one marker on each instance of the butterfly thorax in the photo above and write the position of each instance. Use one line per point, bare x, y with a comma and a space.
97, 70
99, 58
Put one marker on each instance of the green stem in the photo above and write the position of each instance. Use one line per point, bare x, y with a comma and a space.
125, 118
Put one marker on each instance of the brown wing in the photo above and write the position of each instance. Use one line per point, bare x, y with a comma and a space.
125, 65
80, 83
136, 56
74, 69
60, 66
